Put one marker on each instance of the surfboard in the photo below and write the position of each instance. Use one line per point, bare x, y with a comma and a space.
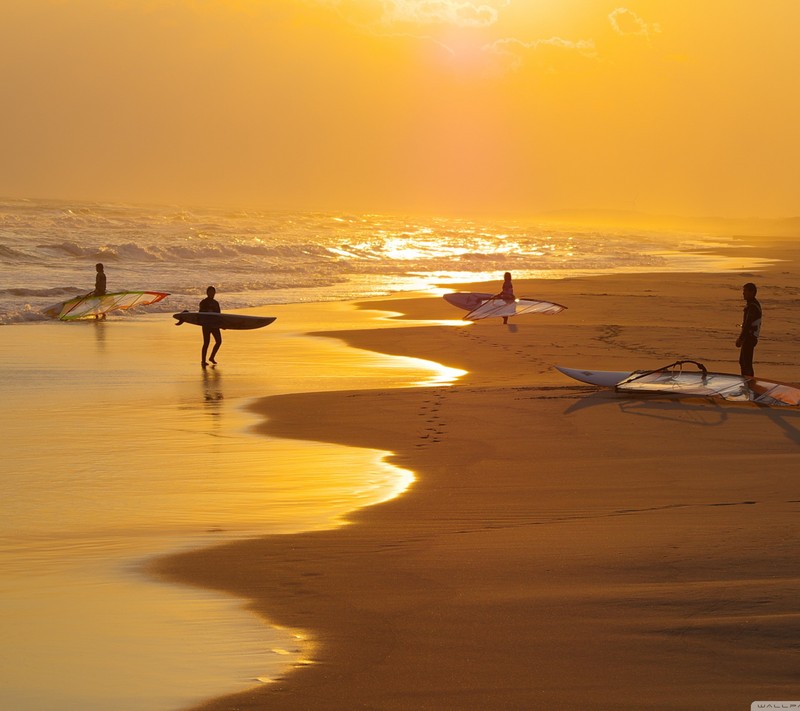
233, 322
482, 306
674, 380
601, 378
467, 300
89, 305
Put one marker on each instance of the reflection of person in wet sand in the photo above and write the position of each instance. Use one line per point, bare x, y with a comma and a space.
210, 304
99, 284
507, 292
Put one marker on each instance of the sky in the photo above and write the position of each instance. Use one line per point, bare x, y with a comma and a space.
491, 107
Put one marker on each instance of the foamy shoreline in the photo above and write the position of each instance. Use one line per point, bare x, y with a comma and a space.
558, 546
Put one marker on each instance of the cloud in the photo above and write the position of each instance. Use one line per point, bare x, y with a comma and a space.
420, 20
452, 12
510, 53
626, 22
459, 13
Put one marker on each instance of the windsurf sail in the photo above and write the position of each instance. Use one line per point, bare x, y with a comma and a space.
90, 305
674, 380
497, 306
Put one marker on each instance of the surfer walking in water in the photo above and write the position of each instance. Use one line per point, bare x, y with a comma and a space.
99, 285
210, 304
751, 329
507, 292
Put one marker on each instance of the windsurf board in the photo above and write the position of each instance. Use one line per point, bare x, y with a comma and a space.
703, 383
467, 300
601, 378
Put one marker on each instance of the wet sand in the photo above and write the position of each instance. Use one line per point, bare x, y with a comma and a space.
561, 547
119, 447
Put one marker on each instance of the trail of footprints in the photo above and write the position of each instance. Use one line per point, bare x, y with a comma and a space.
433, 428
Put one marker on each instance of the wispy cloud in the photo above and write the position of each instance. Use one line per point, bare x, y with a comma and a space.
459, 13
511, 53
425, 12
422, 20
627, 22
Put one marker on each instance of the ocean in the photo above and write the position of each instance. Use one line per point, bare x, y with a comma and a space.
48, 250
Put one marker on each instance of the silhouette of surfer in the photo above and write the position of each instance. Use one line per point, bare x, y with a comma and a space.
99, 280
751, 329
507, 292
99, 285
210, 304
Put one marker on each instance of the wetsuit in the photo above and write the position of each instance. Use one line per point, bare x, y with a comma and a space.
751, 330
507, 295
210, 305
100, 284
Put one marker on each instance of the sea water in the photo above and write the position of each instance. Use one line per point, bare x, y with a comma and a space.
48, 250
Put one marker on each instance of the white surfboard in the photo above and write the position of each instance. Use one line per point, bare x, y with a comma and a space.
601, 378
467, 300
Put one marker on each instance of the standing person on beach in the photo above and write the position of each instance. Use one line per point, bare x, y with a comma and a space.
751, 329
507, 292
99, 281
99, 285
210, 305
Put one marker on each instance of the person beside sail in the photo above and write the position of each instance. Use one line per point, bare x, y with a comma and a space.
751, 329
99, 286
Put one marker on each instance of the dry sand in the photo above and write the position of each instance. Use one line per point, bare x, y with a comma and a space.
561, 548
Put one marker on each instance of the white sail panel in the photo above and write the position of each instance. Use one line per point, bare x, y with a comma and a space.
500, 307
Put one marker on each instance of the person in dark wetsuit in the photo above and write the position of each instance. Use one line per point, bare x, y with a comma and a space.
507, 292
99, 281
210, 304
99, 285
751, 329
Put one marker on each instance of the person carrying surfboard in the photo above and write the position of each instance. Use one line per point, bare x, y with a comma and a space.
210, 304
751, 329
507, 292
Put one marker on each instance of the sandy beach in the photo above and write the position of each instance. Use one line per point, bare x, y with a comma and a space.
560, 547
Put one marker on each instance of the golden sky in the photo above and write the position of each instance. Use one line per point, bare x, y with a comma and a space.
505, 107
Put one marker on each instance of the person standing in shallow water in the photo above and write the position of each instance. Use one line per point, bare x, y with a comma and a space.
99, 281
507, 292
751, 329
210, 305
99, 284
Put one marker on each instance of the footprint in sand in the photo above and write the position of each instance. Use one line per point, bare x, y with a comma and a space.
429, 410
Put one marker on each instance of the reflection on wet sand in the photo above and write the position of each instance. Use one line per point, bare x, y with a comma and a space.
114, 459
